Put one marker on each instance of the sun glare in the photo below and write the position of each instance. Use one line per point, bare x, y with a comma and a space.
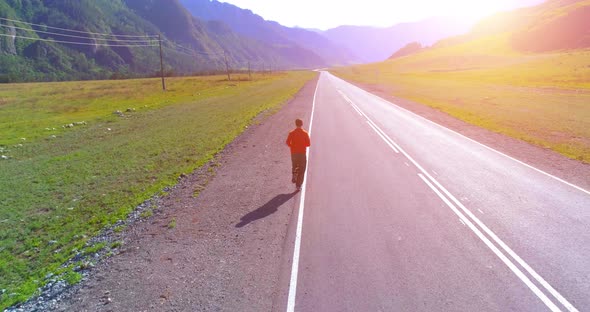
326, 14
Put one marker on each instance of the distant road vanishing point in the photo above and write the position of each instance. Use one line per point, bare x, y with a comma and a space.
401, 214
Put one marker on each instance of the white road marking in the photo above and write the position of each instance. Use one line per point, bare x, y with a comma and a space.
434, 172
472, 140
406, 164
382, 137
480, 211
357, 110
381, 131
507, 249
462, 222
382, 134
496, 251
297, 248
350, 102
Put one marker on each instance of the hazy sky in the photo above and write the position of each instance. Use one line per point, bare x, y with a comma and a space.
324, 14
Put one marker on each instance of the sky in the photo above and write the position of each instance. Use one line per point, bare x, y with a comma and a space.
325, 14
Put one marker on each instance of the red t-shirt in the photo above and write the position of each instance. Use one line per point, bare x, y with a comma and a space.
298, 141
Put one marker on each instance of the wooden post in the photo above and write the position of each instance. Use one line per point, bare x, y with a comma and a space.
161, 63
226, 66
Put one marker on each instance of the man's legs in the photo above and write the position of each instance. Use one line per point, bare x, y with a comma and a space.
300, 162
294, 168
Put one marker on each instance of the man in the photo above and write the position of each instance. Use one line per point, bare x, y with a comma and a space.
298, 141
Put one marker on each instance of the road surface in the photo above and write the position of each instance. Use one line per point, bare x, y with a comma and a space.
401, 214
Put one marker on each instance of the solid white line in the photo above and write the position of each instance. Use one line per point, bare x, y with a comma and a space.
516, 257
534, 274
347, 99
344, 96
381, 131
496, 251
472, 140
297, 248
356, 109
382, 137
480, 211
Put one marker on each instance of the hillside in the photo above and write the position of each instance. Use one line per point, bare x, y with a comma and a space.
373, 44
551, 26
246, 23
410, 48
536, 90
132, 52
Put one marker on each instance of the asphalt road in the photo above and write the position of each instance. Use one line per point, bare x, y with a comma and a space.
401, 214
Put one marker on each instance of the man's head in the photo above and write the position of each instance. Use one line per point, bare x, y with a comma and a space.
298, 123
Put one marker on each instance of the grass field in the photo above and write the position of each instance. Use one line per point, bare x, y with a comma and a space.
60, 187
543, 99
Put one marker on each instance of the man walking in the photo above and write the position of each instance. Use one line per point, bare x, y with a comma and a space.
298, 141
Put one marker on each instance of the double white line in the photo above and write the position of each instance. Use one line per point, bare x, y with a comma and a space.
468, 218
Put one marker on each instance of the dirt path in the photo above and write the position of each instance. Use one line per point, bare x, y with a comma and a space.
225, 252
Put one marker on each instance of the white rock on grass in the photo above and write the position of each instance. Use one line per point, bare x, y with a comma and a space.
4, 157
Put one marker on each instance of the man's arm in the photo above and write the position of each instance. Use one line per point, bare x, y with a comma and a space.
307, 139
288, 142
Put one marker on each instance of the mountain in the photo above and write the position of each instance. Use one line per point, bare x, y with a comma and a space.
246, 23
408, 49
555, 25
374, 44
104, 31
562, 25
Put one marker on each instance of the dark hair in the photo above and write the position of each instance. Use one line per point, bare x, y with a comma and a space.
298, 122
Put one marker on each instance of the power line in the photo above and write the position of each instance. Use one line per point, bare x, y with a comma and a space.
194, 51
81, 37
79, 31
190, 54
81, 43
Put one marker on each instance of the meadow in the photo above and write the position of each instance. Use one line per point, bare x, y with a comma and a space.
78, 156
541, 98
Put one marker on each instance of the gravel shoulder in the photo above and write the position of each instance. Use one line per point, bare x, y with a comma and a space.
219, 251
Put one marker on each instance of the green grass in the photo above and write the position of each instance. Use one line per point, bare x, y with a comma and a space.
146, 214
64, 189
72, 277
543, 99
172, 223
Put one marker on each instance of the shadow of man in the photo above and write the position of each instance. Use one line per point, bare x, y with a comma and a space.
265, 210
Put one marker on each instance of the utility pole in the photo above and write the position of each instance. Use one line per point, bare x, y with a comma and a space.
249, 71
226, 66
161, 63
